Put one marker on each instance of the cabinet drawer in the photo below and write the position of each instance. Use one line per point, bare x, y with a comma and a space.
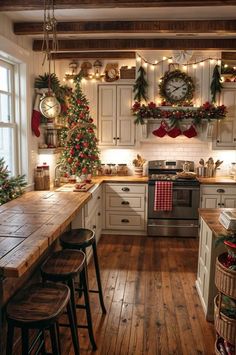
218, 189
124, 202
125, 221
93, 203
126, 188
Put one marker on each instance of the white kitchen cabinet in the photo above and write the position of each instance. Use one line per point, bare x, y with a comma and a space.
218, 196
125, 208
205, 282
225, 135
116, 122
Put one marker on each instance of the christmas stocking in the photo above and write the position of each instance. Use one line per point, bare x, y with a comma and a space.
161, 131
36, 115
174, 132
190, 132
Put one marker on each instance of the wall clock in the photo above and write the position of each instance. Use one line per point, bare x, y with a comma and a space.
49, 106
177, 88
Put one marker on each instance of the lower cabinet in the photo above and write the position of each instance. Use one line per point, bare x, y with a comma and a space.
205, 282
218, 196
125, 207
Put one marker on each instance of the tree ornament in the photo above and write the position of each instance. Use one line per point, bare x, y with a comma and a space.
216, 85
140, 86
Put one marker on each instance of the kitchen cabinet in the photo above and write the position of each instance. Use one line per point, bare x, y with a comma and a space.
205, 282
115, 122
218, 196
126, 208
225, 135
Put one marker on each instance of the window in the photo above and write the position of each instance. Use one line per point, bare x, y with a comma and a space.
8, 122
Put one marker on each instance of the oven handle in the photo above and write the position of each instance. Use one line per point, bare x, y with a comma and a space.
180, 187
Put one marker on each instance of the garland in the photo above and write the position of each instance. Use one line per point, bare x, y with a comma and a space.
205, 112
140, 86
216, 85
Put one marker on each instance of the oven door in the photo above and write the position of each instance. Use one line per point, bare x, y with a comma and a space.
182, 221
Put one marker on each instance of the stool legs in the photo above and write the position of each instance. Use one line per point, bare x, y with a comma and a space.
25, 341
10, 336
73, 327
84, 282
95, 256
54, 339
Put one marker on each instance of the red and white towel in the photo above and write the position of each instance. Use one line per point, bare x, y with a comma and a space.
163, 199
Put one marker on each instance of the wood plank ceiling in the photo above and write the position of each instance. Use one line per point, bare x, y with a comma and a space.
121, 36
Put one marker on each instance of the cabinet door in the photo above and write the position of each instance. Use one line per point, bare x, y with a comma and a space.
107, 115
226, 128
125, 119
228, 201
210, 201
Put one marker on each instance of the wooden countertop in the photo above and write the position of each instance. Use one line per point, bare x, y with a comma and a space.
217, 180
116, 178
30, 223
211, 217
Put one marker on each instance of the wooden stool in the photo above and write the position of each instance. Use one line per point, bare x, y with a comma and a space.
39, 307
81, 239
63, 266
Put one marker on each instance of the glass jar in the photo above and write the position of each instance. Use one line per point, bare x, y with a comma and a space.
113, 169
122, 169
46, 176
108, 169
39, 178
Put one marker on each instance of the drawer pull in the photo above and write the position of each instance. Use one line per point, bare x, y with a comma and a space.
219, 204
125, 202
99, 197
125, 220
222, 204
125, 189
220, 191
94, 226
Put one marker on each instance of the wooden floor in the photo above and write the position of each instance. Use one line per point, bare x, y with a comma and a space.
151, 299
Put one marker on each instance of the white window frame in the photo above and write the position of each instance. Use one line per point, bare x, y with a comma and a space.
14, 120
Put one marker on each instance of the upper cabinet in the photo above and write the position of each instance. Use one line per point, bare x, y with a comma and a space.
225, 137
115, 120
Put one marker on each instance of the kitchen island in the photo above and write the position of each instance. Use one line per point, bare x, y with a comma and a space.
210, 230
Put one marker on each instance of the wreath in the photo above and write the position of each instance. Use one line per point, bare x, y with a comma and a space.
180, 75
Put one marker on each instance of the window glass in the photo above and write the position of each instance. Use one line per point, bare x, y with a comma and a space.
5, 107
4, 79
7, 146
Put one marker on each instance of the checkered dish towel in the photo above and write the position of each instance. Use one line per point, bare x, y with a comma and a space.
163, 198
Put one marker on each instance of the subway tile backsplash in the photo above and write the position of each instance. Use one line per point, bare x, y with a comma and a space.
194, 151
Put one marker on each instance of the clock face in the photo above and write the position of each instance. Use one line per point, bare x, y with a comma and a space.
50, 107
176, 89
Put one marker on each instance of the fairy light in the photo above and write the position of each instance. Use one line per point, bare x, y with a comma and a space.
145, 64
194, 66
212, 61
202, 64
152, 66
170, 60
226, 66
184, 67
139, 59
164, 58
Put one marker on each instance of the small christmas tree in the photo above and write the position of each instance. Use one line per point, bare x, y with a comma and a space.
140, 86
216, 85
81, 154
10, 187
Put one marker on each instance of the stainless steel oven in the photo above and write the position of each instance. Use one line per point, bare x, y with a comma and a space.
182, 220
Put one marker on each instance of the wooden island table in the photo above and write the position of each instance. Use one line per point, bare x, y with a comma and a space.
29, 225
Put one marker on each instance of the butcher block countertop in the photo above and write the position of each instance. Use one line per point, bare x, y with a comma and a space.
217, 180
211, 217
30, 223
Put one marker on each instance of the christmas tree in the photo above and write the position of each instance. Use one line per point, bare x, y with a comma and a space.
10, 187
81, 154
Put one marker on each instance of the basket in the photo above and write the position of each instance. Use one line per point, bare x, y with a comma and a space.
127, 73
225, 326
225, 279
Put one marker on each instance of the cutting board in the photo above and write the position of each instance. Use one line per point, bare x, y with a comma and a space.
84, 187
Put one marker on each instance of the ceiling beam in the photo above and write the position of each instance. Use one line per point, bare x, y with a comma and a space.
94, 55
140, 43
24, 5
165, 26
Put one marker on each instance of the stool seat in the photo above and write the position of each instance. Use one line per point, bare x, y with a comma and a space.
38, 305
77, 238
63, 264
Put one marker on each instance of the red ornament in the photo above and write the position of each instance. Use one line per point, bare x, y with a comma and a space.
90, 120
84, 170
90, 130
77, 146
81, 155
85, 144
72, 152
70, 160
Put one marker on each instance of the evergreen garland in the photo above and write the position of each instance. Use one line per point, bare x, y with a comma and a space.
81, 154
140, 86
216, 85
10, 187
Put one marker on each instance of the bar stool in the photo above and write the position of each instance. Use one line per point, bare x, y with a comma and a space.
81, 239
39, 306
63, 266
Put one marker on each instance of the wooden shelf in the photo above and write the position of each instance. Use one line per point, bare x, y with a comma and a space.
50, 150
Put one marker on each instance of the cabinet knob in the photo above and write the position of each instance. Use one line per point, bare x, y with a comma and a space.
222, 204
114, 138
219, 204
234, 139
99, 213
125, 202
221, 191
99, 197
125, 189
117, 138
125, 220
94, 226
218, 141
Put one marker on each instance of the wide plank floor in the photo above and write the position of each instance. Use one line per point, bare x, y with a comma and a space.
151, 299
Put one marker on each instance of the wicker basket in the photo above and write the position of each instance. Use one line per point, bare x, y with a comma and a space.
127, 73
225, 279
225, 326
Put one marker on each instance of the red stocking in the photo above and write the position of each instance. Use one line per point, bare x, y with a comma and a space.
36, 115
161, 131
174, 132
190, 132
